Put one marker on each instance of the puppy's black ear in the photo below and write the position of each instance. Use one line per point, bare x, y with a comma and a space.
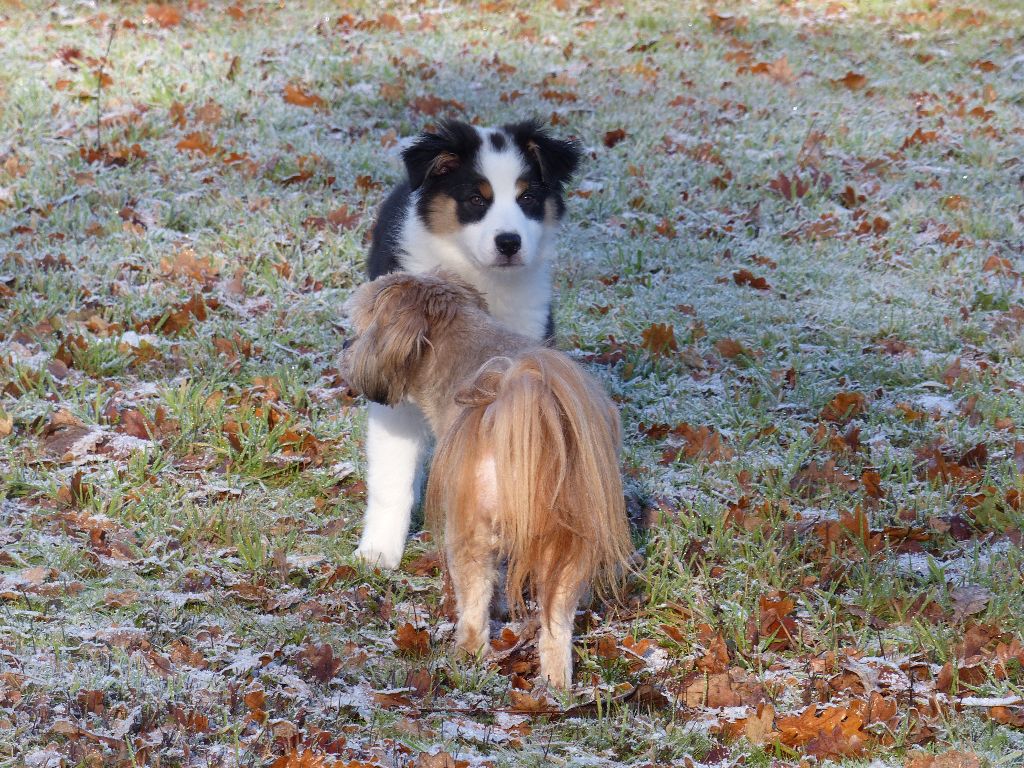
437, 154
556, 158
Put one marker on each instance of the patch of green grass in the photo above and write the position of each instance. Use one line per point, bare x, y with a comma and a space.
237, 538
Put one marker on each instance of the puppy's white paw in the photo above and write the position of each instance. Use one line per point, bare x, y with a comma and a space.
372, 554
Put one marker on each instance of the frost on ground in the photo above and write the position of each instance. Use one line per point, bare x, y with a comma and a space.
793, 254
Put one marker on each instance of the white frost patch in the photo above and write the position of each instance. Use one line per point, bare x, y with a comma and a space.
342, 469
816, 514
245, 660
935, 403
21, 355
956, 568
359, 697
44, 758
134, 340
122, 446
979, 701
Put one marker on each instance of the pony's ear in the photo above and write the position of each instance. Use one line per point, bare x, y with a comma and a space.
444, 294
382, 360
440, 152
557, 159
396, 318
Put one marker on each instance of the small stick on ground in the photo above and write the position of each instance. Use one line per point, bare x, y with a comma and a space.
99, 80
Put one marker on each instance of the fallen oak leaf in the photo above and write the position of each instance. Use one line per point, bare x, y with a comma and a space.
297, 94
342, 218
613, 137
296, 759
758, 728
644, 694
969, 600
659, 339
852, 80
164, 16
531, 705
439, 759
197, 141
844, 407
716, 659
746, 277
730, 349
393, 699
775, 621
415, 642
1012, 716
318, 660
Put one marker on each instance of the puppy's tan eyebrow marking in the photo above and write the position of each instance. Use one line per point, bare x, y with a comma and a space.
486, 190
441, 216
521, 186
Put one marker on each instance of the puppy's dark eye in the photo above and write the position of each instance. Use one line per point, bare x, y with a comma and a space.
527, 198
477, 201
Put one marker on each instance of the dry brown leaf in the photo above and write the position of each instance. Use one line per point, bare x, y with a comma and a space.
759, 728
776, 622
703, 690
968, 600
778, 70
816, 477
1013, 716
319, 661
296, 759
852, 80
342, 218
730, 348
440, 759
163, 16
613, 137
197, 141
299, 95
659, 339
746, 277
527, 704
210, 113
844, 407
716, 659
415, 642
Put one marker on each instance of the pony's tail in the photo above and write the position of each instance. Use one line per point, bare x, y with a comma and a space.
554, 436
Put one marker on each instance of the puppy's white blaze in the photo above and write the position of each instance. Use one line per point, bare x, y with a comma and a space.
503, 169
517, 298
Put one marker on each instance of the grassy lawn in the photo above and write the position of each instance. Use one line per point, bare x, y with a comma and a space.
793, 254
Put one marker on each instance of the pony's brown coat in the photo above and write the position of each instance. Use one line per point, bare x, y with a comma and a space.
526, 466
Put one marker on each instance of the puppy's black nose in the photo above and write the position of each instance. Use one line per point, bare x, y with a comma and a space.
508, 243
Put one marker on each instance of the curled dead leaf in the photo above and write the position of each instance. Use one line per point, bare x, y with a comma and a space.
613, 137
844, 407
415, 642
164, 16
299, 95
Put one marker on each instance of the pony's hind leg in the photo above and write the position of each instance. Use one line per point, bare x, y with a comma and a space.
558, 603
471, 562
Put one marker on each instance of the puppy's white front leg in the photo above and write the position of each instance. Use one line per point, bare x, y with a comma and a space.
395, 440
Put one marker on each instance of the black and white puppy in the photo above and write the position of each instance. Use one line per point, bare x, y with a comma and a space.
484, 203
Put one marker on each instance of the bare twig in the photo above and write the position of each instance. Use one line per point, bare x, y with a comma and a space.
99, 79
